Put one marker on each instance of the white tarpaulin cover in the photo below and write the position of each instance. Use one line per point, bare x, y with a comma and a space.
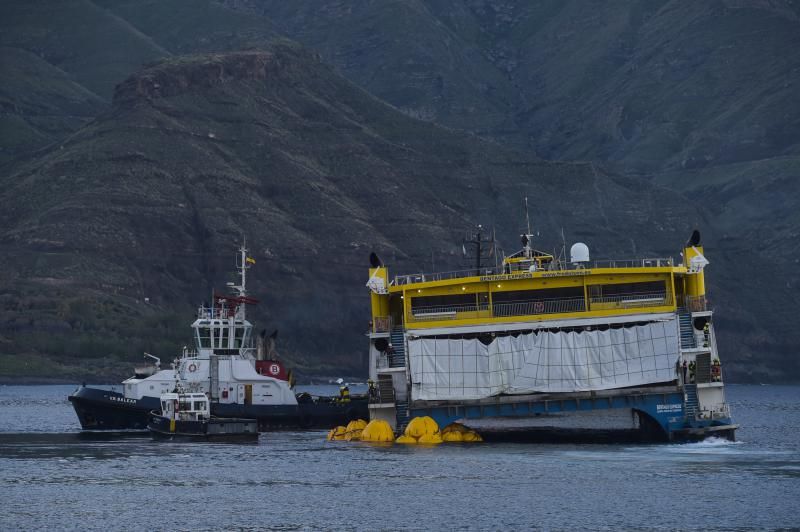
543, 361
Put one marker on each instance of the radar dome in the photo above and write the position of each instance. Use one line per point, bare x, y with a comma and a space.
579, 252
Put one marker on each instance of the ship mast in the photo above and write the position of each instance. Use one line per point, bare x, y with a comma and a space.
526, 238
242, 264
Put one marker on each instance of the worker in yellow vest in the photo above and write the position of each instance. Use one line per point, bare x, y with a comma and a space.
344, 394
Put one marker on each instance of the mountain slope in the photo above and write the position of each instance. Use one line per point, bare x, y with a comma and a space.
39, 104
61, 60
149, 200
695, 94
646, 84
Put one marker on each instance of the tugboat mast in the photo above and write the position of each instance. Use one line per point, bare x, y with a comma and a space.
243, 263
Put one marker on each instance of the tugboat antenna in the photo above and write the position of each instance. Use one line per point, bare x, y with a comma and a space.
242, 288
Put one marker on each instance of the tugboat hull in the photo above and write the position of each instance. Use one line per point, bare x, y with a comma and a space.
106, 410
213, 430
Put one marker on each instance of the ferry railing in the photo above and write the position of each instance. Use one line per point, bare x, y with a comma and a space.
441, 276
716, 411
381, 324
696, 303
632, 300
541, 306
445, 312
656, 262
544, 306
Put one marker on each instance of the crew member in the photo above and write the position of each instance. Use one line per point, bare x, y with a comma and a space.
344, 394
373, 391
685, 369
706, 334
389, 354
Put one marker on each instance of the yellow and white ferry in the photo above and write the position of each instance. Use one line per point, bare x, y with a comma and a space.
592, 346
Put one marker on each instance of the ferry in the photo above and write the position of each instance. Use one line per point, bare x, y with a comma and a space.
242, 380
549, 347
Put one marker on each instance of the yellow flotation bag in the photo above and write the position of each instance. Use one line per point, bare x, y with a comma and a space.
420, 426
455, 427
452, 436
337, 433
430, 439
356, 424
354, 429
377, 430
471, 436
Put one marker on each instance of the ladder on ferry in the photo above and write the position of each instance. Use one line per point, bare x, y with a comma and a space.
688, 340
398, 358
691, 403
401, 415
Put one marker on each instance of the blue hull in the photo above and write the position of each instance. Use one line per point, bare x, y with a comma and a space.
661, 414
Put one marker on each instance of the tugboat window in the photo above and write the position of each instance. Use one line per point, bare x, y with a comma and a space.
223, 338
204, 337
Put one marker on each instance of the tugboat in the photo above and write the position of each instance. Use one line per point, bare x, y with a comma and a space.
242, 380
561, 348
187, 416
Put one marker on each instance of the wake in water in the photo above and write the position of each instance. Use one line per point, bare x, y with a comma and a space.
710, 446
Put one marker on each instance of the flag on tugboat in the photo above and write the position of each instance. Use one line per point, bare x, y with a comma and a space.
250, 260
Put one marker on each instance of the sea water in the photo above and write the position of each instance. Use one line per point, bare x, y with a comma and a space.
53, 476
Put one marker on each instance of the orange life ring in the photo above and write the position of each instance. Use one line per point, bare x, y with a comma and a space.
538, 306
192, 368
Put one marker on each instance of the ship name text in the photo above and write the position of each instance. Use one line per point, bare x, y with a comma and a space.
530, 275
122, 399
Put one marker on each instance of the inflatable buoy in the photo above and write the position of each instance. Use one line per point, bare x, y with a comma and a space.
353, 435
377, 431
456, 432
471, 436
452, 436
337, 434
420, 426
354, 429
356, 424
455, 427
431, 439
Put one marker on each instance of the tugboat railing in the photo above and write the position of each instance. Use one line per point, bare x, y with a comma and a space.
213, 313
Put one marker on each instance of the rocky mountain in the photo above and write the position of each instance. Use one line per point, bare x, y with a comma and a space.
109, 239
61, 60
694, 97
697, 95
645, 84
